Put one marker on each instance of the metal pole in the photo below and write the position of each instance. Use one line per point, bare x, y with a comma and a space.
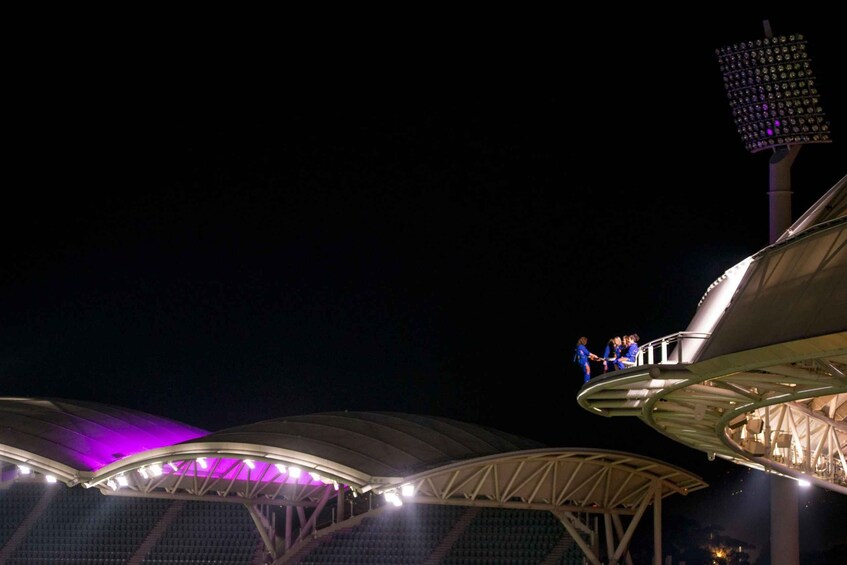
785, 543
779, 194
657, 523
339, 503
785, 531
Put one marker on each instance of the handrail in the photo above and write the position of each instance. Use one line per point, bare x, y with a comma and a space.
659, 348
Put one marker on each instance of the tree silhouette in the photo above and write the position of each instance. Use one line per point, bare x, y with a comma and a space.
685, 539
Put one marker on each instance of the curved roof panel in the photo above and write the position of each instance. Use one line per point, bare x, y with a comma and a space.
375, 443
81, 436
791, 291
830, 206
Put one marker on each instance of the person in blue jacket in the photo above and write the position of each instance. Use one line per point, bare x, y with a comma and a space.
582, 357
611, 354
630, 352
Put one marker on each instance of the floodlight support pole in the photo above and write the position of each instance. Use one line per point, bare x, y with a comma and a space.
784, 500
785, 522
779, 193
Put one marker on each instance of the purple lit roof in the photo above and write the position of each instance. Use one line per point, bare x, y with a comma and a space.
75, 438
84, 435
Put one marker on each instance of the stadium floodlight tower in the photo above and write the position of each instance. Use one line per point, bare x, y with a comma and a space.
776, 106
759, 376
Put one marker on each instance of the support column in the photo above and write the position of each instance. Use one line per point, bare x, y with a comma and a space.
289, 516
784, 542
785, 530
779, 192
610, 537
619, 529
339, 505
657, 523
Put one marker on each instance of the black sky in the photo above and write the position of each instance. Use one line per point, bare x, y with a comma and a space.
223, 228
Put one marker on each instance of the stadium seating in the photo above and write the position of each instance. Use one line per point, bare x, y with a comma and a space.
208, 532
82, 526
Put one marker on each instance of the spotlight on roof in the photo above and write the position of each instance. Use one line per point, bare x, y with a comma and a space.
112, 484
24, 469
335, 485
156, 469
773, 92
392, 498
50, 478
122, 480
804, 483
294, 472
281, 468
202, 462
172, 465
407, 490
315, 476
143, 472
250, 463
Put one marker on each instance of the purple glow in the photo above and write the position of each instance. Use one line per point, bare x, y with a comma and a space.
764, 106
770, 131
85, 435
777, 123
235, 469
126, 439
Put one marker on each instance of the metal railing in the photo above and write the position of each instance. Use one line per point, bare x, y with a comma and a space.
662, 350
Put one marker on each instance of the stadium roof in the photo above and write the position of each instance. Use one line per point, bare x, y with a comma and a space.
306, 461
447, 461
72, 438
759, 377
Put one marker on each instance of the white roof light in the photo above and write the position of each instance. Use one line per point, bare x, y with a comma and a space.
392, 498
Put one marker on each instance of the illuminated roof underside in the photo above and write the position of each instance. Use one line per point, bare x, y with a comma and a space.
361, 450
71, 439
300, 460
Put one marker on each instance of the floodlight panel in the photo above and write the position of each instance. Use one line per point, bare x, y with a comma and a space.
773, 93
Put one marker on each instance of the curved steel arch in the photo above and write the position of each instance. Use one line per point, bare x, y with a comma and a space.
584, 480
800, 406
573, 484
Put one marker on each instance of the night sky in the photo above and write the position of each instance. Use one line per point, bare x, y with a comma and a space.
224, 229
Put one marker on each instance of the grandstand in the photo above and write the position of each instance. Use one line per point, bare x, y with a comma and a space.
76, 525
89, 483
